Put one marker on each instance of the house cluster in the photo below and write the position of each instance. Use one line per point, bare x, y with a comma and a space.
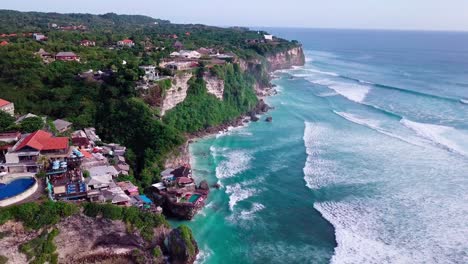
189, 59
39, 37
69, 27
126, 43
60, 56
265, 39
177, 188
87, 43
7, 106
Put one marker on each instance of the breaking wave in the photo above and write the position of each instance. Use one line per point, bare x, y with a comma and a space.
440, 135
236, 162
374, 125
237, 192
353, 92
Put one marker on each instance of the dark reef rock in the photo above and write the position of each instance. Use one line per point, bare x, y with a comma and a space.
269, 119
204, 186
182, 246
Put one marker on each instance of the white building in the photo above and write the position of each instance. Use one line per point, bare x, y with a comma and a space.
7, 106
151, 73
268, 37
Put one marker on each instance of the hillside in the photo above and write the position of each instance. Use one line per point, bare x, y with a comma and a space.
225, 88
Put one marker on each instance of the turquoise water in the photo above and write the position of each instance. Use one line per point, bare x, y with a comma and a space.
366, 160
15, 187
194, 198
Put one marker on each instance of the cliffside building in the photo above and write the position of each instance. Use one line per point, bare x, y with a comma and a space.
7, 106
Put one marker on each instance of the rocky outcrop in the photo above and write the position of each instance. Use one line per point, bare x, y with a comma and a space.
215, 86
286, 59
177, 93
182, 246
83, 239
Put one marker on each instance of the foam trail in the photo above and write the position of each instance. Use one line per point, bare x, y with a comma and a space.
374, 125
353, 92
440, 135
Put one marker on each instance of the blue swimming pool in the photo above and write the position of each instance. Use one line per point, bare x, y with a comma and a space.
15, 187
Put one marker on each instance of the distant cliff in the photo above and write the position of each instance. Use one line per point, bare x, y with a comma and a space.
286, 59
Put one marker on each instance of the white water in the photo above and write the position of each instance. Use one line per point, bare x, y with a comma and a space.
400, 214
235, 162
444, 136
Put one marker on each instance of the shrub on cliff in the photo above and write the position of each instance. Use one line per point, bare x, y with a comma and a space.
36, 216
42, 248
182, 245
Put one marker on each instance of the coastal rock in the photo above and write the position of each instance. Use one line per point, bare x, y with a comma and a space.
253, 117
216, 185
204, 186
182, 246
269, 119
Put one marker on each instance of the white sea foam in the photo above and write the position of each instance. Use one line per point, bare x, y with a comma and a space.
376, 125
236, 162
353, 92
389, 210
464, 101
323, 72
327, 94
358, 244
317, 172
238, 192
203, 255
444, 136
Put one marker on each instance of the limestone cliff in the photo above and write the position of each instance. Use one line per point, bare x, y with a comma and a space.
286, 59
82, 239
215, 86
176, 93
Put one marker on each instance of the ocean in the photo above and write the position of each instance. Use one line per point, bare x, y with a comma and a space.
366, 160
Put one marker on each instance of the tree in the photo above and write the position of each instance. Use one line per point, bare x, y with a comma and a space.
31, 124
6, 121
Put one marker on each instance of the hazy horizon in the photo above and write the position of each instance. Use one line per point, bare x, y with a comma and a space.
429, 15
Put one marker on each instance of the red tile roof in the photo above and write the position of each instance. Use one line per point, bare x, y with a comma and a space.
3, 102
41, 140
127, 41
4, 43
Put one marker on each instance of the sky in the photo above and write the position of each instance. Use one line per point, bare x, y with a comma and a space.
356, 14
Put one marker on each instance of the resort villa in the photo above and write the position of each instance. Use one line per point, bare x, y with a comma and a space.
67, 56
7, 106
126, 43
62, 125
24, 155
87, 43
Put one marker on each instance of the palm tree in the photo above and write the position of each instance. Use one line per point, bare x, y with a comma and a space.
43, 161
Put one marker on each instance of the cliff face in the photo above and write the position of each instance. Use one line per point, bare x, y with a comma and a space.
176, 93
215, 86
286, 59
82, 239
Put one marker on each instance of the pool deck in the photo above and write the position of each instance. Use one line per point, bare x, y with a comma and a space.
32, 194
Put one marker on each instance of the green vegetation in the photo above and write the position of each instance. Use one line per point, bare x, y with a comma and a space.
41, 249
201, 110
31, 124
143, 221
6, 121
138, 256
187, 236
36, 216
111, 104
3, 259
157, 253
